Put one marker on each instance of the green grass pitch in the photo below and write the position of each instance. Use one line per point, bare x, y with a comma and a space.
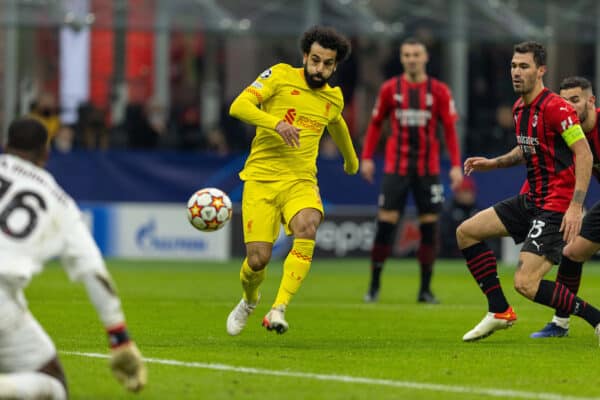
337, 346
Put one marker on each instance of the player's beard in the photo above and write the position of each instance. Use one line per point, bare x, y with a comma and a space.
583, 116
313, 83
527, 86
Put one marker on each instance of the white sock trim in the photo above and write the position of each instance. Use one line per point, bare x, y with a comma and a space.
562, 322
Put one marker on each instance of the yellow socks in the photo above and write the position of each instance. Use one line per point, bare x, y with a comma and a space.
295, 269
251, 280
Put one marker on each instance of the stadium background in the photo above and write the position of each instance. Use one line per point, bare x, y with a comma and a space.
141, 89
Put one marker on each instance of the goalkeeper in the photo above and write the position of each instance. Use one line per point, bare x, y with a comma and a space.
38, 221
290, 108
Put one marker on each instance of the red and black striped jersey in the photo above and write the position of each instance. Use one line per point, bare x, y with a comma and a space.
416, 109
550, 161
593, 138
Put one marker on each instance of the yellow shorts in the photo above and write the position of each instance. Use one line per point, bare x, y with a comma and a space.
268, 204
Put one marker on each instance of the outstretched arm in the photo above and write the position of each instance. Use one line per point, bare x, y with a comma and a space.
83, 262
126, 360
510, 159
341, 136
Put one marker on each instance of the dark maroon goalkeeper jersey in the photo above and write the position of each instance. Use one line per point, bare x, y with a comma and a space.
550, 162
416, 109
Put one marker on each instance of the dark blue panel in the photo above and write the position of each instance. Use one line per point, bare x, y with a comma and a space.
138, 176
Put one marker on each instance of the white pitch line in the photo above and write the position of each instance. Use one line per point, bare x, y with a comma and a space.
503, 393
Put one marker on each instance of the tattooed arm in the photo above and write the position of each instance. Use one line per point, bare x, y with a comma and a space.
510, 159
513, 157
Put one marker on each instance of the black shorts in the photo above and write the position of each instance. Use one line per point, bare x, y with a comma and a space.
427, 191
537, 229
590, 228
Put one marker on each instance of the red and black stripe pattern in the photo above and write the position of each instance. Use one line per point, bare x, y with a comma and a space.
482, 264
558, 296
593, 138
417, 145
550, 167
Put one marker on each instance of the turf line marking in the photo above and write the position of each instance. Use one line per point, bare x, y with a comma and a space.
503, 393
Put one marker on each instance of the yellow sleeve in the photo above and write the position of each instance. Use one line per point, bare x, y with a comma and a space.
246, 106
341, 136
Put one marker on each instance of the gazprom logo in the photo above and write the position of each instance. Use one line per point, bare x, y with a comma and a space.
147, 238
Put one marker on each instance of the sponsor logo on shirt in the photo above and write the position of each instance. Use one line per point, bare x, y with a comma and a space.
308, 123
413, 117
257, 85
528, 144
295, 92
290, 116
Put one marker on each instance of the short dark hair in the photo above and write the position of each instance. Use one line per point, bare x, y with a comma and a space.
530, 46
575, 82
413, 40
328, 38
27, 134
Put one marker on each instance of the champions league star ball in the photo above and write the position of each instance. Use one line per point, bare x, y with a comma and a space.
209, 209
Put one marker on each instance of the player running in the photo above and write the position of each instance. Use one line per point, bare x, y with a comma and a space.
547, 214
290, 108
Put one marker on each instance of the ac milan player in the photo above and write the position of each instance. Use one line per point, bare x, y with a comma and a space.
416, 104
549, 209
577, 91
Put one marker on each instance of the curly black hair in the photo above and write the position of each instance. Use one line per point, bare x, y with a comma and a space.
328, 38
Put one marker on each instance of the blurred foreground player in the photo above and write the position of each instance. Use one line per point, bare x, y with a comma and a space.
39, 221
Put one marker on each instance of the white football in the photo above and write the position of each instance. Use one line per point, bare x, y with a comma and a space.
209, 209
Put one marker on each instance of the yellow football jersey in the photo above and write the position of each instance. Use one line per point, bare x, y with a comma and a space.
282, 92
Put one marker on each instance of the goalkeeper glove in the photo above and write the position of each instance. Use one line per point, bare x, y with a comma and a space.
126, 360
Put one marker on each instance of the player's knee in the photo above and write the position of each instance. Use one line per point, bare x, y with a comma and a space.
258, 260
306, 231
572, 254
462, 234
306, 228
526, 285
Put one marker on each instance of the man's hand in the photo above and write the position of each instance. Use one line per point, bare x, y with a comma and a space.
351, 166
128, 367
479, 164
456, 177
571, 222
367, 170
289, 133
